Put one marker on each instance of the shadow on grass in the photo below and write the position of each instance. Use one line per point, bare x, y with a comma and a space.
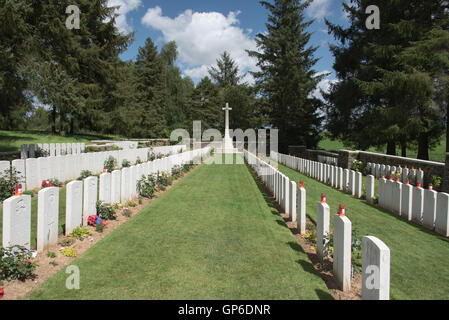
323, 295
282, 223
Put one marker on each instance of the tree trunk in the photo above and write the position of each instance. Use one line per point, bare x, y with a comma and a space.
423, 146
404, 148
72, 125
447, 128
53, 118
391, 148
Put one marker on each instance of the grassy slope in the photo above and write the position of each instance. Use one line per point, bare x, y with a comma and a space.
438, 154
61, 222
212, 236
12, 140
419, 259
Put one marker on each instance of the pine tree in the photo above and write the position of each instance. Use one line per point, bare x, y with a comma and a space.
286, 78
381, 97
150, 86
226, 73
177, 89
206, 106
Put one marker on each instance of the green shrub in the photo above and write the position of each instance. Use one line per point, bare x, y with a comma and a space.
55, 183
126, 163
66, 242
356, 247
9, 180
68, 252
164, 179
84, 174
110, 163
105, 211
51, 254
131, 204
436, 180
16, 264
99, 227
358, 166
80, 233
138, 161
146, 187
177, 172
126, 212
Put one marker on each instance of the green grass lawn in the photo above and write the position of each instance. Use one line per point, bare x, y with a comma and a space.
12, 140
438, 154
61, 221
212, 236
419, 258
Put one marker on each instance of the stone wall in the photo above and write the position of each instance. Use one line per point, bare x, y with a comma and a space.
430, 168
347, 157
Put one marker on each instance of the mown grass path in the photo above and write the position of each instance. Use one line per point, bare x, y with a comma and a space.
212, 236
419, 258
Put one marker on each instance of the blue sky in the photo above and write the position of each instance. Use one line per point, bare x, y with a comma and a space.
203, 29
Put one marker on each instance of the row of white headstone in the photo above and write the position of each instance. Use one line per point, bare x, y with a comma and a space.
61, 149
64, 168
81, 198
425, 207
346, 180
422, 206
375, 254
404, 174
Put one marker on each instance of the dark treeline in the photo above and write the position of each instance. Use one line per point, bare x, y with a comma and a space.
392, 87
85, 86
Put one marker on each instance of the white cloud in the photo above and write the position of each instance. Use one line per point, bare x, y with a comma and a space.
319, 9
202, 37
125, 7
324, 85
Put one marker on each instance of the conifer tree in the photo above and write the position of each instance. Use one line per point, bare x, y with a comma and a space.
287, 78
150, 86
383, 96
226, 73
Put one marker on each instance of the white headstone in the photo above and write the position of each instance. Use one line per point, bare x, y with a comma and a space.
301, 210
342, 251
352, 182
292, 207
32, 177
52, 150
358, 185
322, 229
370, 190
125, 185
407, 201
418, 204
287, 195
47, 218
90, 198
105, 188
442, 218
396, 197
382, 188
74, 206
375, 269
19, 166
430, 204
115, 186
346, 180
17, 222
